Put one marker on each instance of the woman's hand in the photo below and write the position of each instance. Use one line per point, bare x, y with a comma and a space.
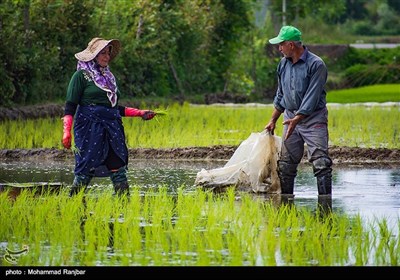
148, 115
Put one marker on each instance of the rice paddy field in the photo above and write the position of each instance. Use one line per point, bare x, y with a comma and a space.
196, 227
352, 125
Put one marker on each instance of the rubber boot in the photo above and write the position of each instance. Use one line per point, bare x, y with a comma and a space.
324, 184
322, 168
74, 190
121, 189
287, 173
287, 185
324, 205
80, 182
120, 181
287, 199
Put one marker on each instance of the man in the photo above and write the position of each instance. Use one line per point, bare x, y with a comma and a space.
301, 98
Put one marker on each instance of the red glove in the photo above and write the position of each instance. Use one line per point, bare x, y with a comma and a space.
148, 115
66, 140
144, 114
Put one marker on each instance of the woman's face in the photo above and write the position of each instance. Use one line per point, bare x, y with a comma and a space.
103, 58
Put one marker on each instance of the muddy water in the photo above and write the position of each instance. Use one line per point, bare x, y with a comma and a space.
370, 191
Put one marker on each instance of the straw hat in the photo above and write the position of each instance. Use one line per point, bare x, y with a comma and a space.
95, 46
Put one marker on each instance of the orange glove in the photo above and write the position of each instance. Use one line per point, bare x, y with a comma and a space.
144, 114
66, 140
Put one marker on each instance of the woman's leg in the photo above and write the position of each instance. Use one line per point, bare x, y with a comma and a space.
120, 181
81, 181
118, 176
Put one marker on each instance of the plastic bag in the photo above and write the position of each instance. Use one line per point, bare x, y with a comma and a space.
253, 166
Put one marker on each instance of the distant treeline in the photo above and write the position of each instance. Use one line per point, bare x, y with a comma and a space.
170, 48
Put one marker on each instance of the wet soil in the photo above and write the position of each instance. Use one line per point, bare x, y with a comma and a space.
338, 154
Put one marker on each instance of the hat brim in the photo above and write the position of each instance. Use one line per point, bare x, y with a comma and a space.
275, 40
87, 55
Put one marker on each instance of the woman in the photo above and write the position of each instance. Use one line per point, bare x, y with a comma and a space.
92, 101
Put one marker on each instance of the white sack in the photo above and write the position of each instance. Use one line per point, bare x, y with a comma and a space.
253, 166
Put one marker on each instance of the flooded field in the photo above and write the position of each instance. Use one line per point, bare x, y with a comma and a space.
369, 191
373, 191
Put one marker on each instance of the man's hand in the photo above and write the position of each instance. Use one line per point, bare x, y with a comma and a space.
270, 127
292, 124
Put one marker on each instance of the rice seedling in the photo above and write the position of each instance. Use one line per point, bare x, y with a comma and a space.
75, 149
160, 112
186, 229
189, 126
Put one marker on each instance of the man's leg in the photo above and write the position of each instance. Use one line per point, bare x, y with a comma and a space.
315, 134
323, 172
287, 173
292, 152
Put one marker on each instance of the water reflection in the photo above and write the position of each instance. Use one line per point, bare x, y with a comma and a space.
365, 190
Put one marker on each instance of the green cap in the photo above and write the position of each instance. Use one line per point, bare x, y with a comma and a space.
287, 33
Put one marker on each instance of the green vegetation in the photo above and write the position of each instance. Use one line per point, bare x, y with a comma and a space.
187, 229
374, 93
196, 125
169, 53
364, 67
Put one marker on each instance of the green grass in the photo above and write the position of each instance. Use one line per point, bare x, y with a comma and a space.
374, 93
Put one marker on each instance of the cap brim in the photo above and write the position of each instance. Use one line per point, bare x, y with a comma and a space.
275, 40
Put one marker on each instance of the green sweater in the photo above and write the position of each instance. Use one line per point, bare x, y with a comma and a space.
83, 91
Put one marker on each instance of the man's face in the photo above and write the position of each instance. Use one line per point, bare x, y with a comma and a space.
286, 48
